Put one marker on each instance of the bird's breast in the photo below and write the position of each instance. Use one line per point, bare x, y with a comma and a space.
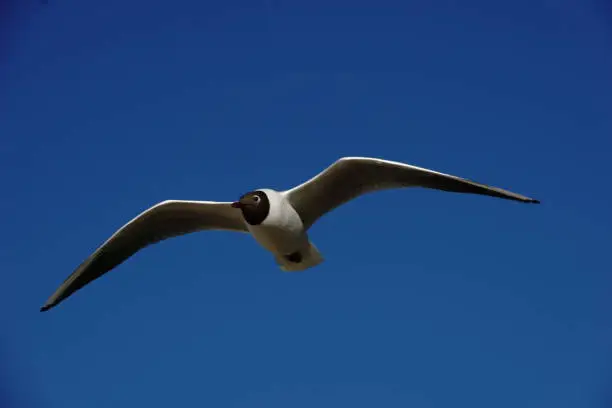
282, 231
278, 240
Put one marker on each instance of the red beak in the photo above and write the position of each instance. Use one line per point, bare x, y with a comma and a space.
237, 204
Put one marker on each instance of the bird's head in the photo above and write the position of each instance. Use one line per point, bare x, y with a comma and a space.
254, 205
251, 199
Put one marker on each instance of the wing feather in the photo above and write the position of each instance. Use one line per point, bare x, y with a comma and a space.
162, 221
350, 177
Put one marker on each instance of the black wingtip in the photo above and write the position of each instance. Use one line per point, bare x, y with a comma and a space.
45, 308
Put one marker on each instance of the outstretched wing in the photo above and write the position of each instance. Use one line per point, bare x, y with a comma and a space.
350, 177
164, 220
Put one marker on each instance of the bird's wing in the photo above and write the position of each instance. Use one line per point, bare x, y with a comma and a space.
164, 220
350, 177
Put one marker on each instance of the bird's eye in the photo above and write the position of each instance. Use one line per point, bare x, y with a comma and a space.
256, 199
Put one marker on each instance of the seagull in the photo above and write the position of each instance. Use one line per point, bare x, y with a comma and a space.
278, 220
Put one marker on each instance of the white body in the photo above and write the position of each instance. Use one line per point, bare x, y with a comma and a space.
283, 233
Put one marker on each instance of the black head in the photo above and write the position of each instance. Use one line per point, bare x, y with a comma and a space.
255, 206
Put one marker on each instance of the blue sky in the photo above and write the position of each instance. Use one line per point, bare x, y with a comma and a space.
426, 299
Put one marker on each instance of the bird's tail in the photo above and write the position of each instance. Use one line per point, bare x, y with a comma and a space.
309, 258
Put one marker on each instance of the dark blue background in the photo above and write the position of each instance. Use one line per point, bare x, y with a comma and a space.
426, 299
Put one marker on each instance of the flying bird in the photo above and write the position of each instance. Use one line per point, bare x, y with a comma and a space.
278, 220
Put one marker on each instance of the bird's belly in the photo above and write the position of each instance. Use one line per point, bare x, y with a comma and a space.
279, 240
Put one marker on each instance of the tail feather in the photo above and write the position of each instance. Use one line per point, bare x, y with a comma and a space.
310, 257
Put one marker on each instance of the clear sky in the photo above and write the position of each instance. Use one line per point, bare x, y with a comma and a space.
426, 299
